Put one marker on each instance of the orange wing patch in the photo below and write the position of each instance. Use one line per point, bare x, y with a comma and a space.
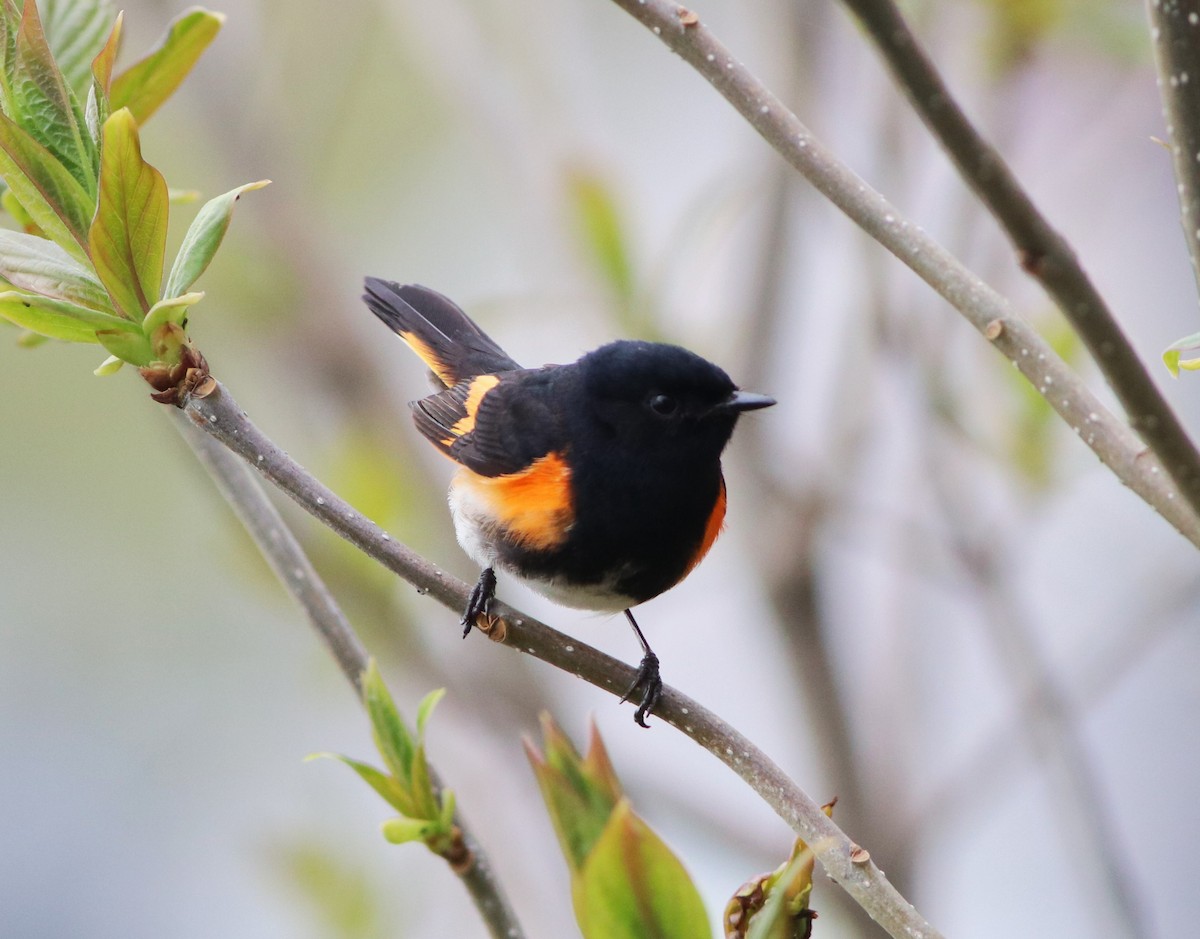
475, 392
716, 522
534, 507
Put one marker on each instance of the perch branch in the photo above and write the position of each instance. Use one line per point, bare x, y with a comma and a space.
1109, 438
846, 862
291, 565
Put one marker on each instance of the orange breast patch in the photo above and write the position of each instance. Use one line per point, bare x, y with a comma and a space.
716, 522
533, 506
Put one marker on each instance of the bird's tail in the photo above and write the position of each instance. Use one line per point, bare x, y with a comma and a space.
437, 330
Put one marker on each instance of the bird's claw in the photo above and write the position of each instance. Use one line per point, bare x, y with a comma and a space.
650, 683
481, 598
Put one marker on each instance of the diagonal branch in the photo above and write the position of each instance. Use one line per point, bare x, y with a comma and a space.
1109, 438
1043, 252
1175, 29
846, 862
287, 559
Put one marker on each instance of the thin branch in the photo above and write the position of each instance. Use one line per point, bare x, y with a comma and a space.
1043, 252
1175, 29
1109, 438
287, 559
846, 862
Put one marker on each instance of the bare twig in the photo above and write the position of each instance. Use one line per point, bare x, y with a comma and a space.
1175, 28
287, 559
845, 861
1043, 252
1109, 438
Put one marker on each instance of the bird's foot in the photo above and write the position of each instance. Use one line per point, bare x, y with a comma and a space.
650, 684
481, 598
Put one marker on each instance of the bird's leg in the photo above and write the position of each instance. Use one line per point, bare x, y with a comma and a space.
647, 678
481, 598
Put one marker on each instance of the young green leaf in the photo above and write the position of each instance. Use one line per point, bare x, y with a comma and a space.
602, 232
203, 238
134, 348
421, 787
76, 30
404, 830
42, 267
31, 340
149, 82
102, 65
580, 792
54, 199
170, 311
425, 710
44, 105
633, 887
10, 25
392, 738
109, 366
59, 319
1173, 356
384, 785
129, 235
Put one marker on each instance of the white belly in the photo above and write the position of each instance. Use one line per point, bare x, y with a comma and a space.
470, 515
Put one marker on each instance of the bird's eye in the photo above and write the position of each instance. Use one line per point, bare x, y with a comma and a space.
663, 405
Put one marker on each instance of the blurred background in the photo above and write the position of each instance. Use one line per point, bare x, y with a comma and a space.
931, 600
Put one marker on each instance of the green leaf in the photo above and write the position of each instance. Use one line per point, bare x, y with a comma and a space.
76, 30
58, 319
392, 738
12, 205
580, 793
40, 266
1173, 356
31, 340
134, 348
420, 786
54, 199
128, 238
44, 105
404, 830
384, 785
149, 82
602, 232
170, 311
10, 25
446, 815
109, 366
203, 238
425, 709
633, 887
98, 108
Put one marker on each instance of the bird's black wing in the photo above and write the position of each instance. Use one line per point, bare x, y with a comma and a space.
495, 425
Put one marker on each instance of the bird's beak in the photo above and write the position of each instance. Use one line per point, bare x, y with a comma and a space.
744, 401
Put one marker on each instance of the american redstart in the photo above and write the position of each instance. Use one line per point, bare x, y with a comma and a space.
597, 483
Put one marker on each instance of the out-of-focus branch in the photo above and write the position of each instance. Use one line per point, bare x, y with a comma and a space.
1175, 29
291, 565
1043, 252
1052, 725
846, 862
1111, 439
